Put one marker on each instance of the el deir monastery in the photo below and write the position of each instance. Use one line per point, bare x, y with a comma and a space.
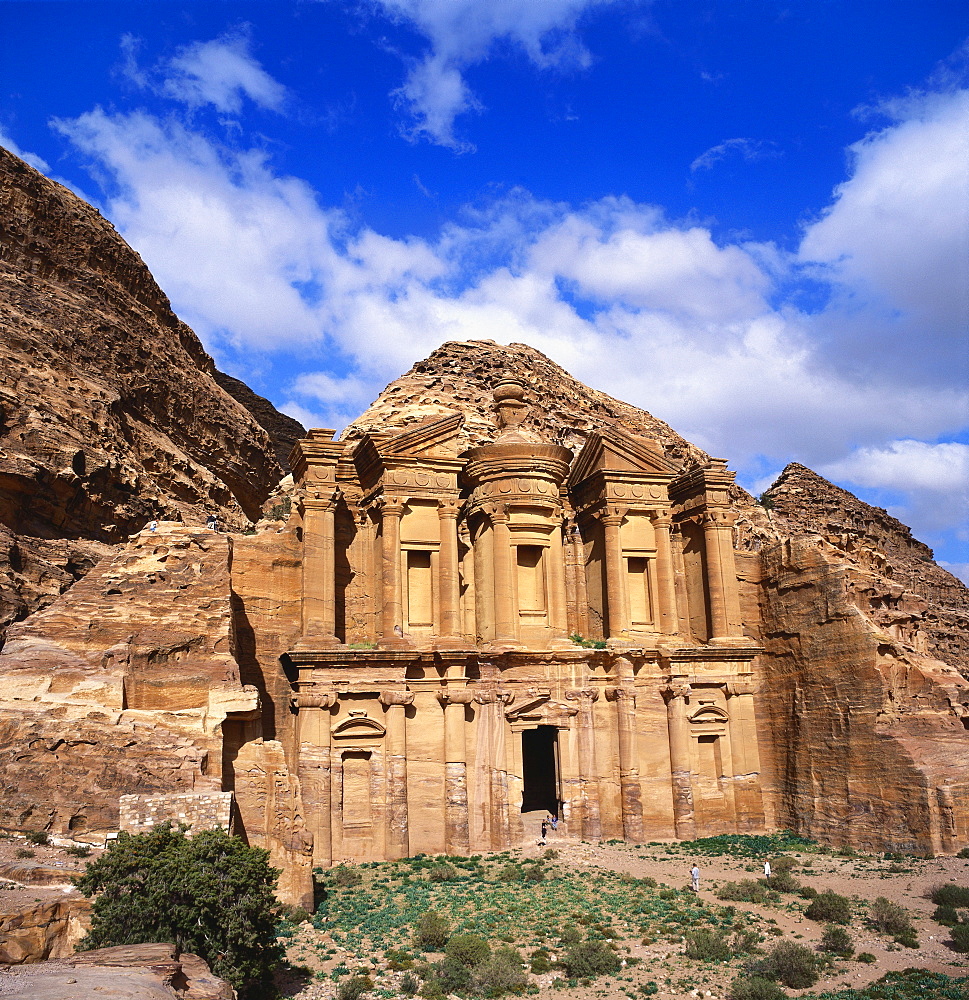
499, 594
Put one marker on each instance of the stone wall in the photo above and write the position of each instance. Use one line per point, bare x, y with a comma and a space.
198, 811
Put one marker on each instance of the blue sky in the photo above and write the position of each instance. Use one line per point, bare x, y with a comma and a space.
750, 218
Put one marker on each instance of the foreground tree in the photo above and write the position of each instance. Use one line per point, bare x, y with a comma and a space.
208, 894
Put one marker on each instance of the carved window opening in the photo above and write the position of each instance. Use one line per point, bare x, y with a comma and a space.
539, 772
710, 759
356, 789
637, 578
420, 601
531, 580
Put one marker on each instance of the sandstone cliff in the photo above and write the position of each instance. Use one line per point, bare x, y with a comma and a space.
110, 410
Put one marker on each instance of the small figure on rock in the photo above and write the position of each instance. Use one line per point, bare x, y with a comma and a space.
695, 877
212, 523
152, 525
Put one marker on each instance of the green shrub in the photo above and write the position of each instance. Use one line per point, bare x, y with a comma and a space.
354, 988
25, 852
745, 891
534, 874
468, 949
829, 907
345, 877
510, 873
755, 988
499, 974
950, 895
38, 837
790, 963
432, 931
960, 938
889, 917
946, 915
837, 941
443, 873
570, 934
707, 945
540, 961
784, 863
783, 881
409, 984
964, 853
744, 942
399, 959
78, 850
587, 959
807, 892
450, 975
867, 958
208, 894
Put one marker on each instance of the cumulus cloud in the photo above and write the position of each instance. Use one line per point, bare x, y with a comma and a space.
654, 310
461, 33
221, 72
748, 149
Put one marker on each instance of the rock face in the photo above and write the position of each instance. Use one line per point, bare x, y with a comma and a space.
111, 414
290, 666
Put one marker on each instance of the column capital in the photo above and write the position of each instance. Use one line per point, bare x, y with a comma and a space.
612, 516
661, 517
740, 686
323, 497
394, 696
391, 506
492, 696
497, 513
313, 697
621, 694
448, 509
456, 696
718, 518
676, 689
585, 696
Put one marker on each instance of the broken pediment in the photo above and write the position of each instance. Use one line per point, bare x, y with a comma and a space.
612, 451
359, 726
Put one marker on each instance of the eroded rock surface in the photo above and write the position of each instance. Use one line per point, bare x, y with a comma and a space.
110, 410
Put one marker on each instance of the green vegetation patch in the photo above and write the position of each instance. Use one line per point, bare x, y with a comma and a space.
910, 984
745, 845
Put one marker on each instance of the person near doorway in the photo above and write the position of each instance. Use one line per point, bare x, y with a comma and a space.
544, 832
554, 821
695, 877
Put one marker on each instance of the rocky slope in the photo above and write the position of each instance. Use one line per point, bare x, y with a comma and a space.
110, 410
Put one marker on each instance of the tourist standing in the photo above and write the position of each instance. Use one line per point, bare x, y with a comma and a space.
767, 870
695, 877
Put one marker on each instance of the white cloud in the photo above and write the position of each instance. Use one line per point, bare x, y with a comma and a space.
651, 310
895, 242
749, 149
37, 162
461, 33
221, 73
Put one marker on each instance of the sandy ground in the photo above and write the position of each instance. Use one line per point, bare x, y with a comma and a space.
860, 878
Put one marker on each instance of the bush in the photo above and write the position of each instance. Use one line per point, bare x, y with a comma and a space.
25, 852
964, 853
539, 961
755, 988
209, 895
707, 945
354, 988
570, 934
468, 949
867, 958
432, 931
837, 941
587, 959
829, 907
450, 975
784, 863
78, 851
807, 892
443, 873
960, 938
745, 891
889, 917
344, 877
783, 881
409, 984
743, 942
38, 837
950, 895
792, 964
499, 974
946, 915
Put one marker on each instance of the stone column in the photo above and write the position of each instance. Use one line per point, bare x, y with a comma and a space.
395, 703
684, 817
313, 768
456, 836
448, 572
577, 596
319, 569
624, 698
669, 623
558, 617
748, 796
588, 774
506, 614
617, 616
484, 582
721, 575
391, 615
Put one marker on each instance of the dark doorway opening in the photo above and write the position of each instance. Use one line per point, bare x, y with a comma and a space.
538, 765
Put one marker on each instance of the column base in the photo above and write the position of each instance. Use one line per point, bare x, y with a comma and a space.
310, 642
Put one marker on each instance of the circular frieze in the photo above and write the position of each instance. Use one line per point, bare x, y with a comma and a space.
443, 482
638, 491
618, 490
655, 492
524, 485
422, 478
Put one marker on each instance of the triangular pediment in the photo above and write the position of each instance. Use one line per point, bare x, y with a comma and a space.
613, 451
432, 435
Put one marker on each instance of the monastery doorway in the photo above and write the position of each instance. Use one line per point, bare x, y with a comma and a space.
539, 773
